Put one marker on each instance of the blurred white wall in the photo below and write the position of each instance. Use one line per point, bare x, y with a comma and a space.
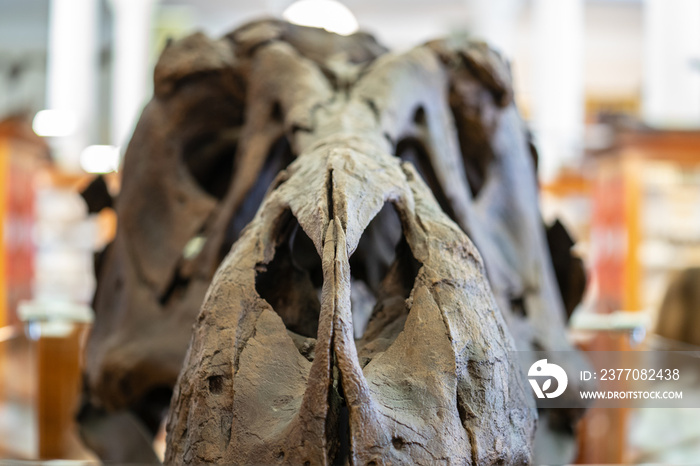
613, 48
131, 68
558, 87
672, 63
72, 74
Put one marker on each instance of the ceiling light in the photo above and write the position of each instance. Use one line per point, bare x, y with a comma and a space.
326, 14
54, 123
100, 159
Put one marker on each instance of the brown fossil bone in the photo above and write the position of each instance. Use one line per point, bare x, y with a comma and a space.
433, 378
436, 381
185, 198
353, 319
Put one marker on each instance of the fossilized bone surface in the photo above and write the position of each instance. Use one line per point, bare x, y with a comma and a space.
409, 150
438, 384
184, 200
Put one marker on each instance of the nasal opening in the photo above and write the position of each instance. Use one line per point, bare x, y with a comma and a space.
383, 272
291, 283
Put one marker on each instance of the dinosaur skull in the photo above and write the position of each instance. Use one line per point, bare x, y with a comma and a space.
353, 318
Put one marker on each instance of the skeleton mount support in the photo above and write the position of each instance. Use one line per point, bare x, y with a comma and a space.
353, 319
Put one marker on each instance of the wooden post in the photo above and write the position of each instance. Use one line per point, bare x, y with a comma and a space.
4, 188
58, 330
58, 388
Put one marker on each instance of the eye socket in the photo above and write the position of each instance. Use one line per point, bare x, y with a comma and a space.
209, 160
412, 150
278, 158
206, 118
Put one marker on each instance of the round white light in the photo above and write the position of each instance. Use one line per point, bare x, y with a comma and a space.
100, 159
54, 123
326, 14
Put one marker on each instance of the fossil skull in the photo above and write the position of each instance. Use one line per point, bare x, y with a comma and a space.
393, 258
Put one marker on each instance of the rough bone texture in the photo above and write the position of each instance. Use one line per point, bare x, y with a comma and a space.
433, 379
353, 320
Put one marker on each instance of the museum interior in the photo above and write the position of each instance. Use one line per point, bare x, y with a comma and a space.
193, 190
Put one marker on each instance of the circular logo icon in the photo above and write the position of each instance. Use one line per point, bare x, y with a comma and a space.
542, 368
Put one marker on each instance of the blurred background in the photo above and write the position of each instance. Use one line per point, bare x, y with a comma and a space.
609, 88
